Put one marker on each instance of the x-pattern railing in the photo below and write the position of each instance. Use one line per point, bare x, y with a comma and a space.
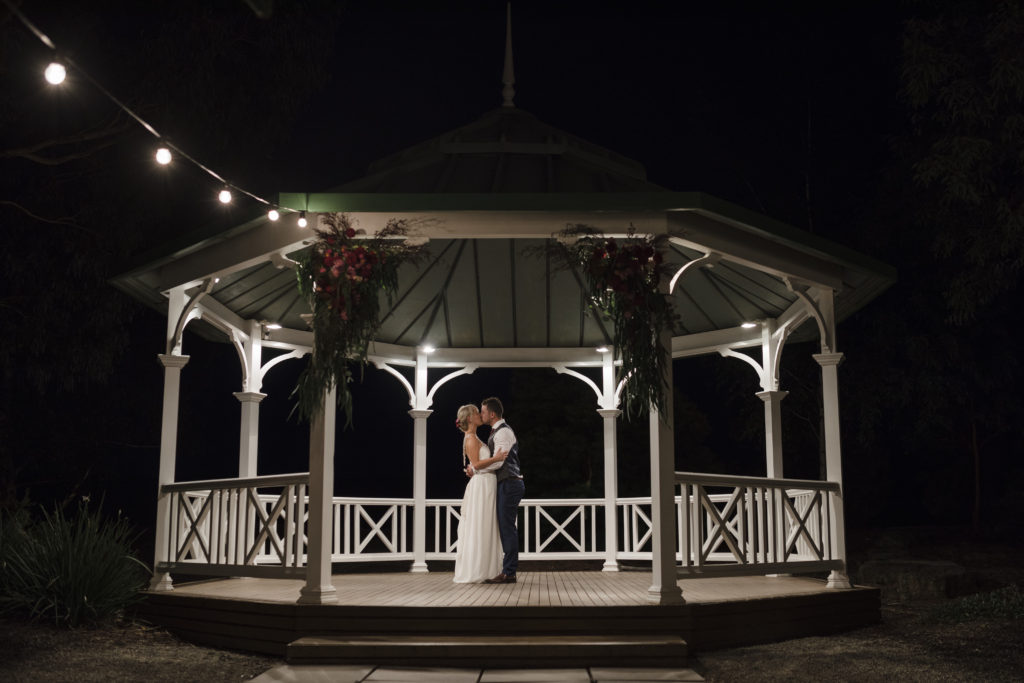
727, 525
227, 526
759, 526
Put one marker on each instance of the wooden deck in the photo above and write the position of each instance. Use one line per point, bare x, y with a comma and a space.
262, 614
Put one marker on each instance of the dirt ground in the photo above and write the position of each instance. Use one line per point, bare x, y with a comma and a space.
910, 644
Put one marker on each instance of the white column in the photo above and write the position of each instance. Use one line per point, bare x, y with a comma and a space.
611, 489
773, 431
168, 453
318, 589
419, 491
248, 442
829, 363
664, 588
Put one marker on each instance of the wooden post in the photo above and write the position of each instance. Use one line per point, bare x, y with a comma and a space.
773, 431
664, 588
248, 442
318, 589
173, 364
829, 363
419, 491
611, 490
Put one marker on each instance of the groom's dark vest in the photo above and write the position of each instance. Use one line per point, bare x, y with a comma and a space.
511, 467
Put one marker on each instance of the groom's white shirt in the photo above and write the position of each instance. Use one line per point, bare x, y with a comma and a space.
503, 440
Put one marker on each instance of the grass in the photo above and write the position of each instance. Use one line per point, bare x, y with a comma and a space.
68, 569
1004, 603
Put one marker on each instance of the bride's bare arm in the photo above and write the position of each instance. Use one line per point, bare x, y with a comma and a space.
473, 452
497, 457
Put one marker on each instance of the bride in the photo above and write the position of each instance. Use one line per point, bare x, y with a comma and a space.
479, 551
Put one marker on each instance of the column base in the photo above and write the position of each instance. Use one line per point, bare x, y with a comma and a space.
838, 579
419, 568
665, 596
317, 595
161, 582
610, 566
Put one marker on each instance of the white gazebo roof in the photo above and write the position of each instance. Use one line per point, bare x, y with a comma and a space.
485, 195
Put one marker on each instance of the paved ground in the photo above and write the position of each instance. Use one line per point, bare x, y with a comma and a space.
369, 674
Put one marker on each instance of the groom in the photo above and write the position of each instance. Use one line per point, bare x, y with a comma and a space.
510, 486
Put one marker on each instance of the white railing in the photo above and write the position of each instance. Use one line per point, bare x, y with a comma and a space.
728, 526
758, 526
228, 527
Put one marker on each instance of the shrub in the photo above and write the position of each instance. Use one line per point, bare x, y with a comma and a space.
1005, 603
70, 569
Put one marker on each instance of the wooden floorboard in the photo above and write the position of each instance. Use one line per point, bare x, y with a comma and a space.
534, 589
718, 612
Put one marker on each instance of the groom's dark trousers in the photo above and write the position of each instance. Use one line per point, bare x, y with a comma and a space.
510, 492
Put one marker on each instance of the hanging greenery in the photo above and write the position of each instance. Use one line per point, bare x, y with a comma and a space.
622, 279
342, 278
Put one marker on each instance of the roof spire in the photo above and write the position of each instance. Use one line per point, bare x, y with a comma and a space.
509, 75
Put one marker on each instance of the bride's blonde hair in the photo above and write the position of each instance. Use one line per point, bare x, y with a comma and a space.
462, 418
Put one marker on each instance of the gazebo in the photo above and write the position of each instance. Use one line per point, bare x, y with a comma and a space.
482, 198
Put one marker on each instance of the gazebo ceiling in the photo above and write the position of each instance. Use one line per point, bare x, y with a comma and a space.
487, 195
500, 293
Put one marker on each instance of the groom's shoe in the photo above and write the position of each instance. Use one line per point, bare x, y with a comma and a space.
502, 578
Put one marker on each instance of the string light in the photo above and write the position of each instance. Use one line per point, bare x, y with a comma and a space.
302, 222
273, 214
55, 73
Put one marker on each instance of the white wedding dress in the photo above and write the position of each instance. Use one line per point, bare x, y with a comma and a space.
478, 556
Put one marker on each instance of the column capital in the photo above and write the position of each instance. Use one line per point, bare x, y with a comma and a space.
609, 413
169, 360
249, 396
826, 359
769, 395
420, 414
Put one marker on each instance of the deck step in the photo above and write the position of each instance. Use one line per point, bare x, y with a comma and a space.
491, 651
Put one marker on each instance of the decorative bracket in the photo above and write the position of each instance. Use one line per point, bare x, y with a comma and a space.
825, 327
190, 312
562, 370
709, 259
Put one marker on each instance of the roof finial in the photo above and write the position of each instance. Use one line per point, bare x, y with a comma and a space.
509, 76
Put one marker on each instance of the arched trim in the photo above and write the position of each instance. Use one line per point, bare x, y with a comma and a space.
382, 365
708, 259
189, 313
297, 353
468, 370
747, 359
562, 370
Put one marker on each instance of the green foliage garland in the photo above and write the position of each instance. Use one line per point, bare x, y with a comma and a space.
622, 278
342, 278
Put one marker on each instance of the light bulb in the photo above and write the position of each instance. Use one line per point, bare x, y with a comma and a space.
602, 349
273, 214
428, 348
748, 325
225, 196
273, 326
55, 73
163, 156
302, 222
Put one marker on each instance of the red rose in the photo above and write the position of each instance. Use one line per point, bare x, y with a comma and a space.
350, 233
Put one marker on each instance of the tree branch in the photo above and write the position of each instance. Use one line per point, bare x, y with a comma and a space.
51, 221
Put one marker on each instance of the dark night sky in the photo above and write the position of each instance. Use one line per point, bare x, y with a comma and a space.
758, 104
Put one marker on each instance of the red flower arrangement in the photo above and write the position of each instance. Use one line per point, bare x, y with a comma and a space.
623, 280
343, 279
